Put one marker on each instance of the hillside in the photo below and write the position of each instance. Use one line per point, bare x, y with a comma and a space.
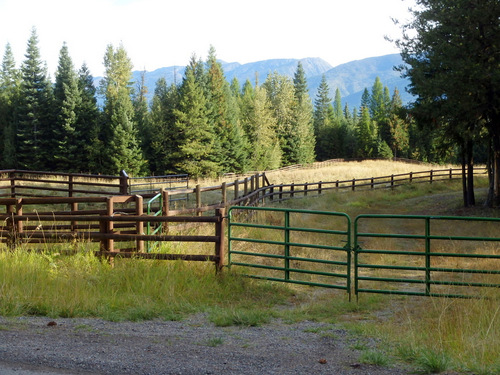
350, 78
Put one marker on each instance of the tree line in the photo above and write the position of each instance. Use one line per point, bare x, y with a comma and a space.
204, 126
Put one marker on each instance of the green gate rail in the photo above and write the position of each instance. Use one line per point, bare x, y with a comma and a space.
331, 264
429, 264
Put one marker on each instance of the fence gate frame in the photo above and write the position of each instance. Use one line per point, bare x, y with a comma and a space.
287, 228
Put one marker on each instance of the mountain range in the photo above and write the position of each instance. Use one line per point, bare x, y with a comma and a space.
350, 78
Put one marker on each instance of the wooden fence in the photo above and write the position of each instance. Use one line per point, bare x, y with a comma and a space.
116, 221
19, 183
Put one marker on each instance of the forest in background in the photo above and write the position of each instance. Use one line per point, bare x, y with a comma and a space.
204, 126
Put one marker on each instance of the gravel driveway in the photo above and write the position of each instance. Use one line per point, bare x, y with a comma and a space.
35, 345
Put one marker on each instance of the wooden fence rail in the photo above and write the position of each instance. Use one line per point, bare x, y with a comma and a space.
120, 219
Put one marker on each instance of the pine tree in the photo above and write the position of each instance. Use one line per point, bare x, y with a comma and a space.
303, 126
323, 121
337, 105
222, 116
164, 138
33, 135
266, 151
9, 100
67, 102
142, 120
366, 135
88, 124
195, 154
281, 94
121, 147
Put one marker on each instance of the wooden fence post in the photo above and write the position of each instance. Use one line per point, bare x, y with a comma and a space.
198, 199
430, 176
12, 178
236, 188
124, 183
451, 173
245, 188
165, 209
305, 189
371, 183
224, 193
107, 244
411, 177
292, 189
392, 181
319, 187
353, 184
281, 192
139, 211
220, 252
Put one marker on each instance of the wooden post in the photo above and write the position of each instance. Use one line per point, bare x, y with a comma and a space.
281, 192
392, 181
220, 245
252, 183
353, 184
236, 189
430, 176
319, 187
124, 183
74, 208
245, 190
337, 184
292, 189
224, 193
70, 185
451, 173
371, 184
165, 209
271, 194
411, 177
139, 211
107, 244
305, 189
12, 177
198, 199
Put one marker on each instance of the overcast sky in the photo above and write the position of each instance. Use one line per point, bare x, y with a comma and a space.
159, 33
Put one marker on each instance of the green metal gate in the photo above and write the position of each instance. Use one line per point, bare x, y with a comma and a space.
296, 246
440, 256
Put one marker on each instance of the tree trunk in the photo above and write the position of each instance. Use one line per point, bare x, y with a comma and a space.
464, 179
471, 199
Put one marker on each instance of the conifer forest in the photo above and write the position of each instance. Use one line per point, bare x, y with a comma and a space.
207, 126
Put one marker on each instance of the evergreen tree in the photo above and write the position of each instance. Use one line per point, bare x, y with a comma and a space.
303, 126
195, 155
323, 121
281, 94
222, 116
9, 100
164, 137
33, 127
399, 136
88, 124
265, 151
337, 105
142, 120
121, 147
366, 135
67, 102
300, 83
365, 99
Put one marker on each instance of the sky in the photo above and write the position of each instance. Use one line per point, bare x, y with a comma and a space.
161, 33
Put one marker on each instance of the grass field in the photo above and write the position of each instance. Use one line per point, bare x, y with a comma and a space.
440, 334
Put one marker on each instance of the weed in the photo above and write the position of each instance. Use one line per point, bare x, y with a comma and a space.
432, 362
374, 357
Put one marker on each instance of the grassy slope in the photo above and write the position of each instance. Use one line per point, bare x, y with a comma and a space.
440, 334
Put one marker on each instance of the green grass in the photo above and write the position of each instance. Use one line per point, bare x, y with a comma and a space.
53, 285
439, 334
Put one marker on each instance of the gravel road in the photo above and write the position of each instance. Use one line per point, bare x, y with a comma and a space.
35, 345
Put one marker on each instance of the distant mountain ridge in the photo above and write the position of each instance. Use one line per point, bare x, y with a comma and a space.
350, 78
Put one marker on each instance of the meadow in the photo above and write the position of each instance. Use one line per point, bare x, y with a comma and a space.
441, 334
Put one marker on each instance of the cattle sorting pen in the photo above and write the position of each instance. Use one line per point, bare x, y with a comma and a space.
133, 217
